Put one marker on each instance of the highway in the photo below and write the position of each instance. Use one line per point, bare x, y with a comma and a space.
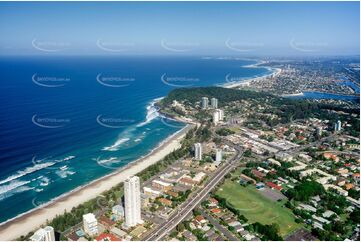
186, 208
197, 197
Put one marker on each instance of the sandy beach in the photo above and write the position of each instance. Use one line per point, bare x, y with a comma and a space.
35, 218
27, 222
246, 82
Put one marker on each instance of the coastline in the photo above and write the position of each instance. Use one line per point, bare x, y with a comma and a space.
247, 81
32, 219
301, 94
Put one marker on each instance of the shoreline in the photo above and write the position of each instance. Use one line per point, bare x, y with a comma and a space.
247, 81
276, 72
29, 221
32, 219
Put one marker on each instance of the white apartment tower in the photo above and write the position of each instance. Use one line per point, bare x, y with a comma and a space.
204, 102
319, 131
90, 224
132, 203
198, 151
45, 234
338, 126
215, 118
214, 102
221, 114
218, 115
218, 155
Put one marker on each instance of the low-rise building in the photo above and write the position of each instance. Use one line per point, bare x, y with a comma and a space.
213, 202
199, 177
283, 156
106, 222
90, 224
153, 192
320, 219
307, 207
273, 161
274, 186
118, 211
107, 237
165, 201
258, 174
187, 181
118, 232
305, 157
164, 186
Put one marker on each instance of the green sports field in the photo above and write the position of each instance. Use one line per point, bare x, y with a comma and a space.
257, 208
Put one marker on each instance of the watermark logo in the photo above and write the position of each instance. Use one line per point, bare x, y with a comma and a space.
242, 46
114, 81
49, 123
178, 81
36, 203
307, 46
230, 79
104, 204
114, 46
49, 81
178, 46
114, 123
50, 46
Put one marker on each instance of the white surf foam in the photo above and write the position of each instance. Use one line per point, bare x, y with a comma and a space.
44, 181
34, 168
13, 187
64, 173
27, 171
110, 160
152, 112
116, 145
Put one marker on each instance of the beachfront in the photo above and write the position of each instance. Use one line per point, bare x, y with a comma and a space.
25, 223
246, 82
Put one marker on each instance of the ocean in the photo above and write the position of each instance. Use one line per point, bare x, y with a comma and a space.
66, 121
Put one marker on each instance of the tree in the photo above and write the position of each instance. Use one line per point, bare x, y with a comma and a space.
224, 132
247, 153
305, 190
269, 232
355, 215
180, 227
196, 212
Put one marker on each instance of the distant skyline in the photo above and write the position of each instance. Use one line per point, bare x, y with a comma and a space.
179, 28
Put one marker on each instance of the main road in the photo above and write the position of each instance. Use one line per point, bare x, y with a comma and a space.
186, 208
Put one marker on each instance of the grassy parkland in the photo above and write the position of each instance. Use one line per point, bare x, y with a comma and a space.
258, 208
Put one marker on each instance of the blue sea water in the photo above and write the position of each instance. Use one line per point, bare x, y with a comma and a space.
66, 121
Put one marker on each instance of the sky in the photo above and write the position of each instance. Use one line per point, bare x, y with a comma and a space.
179, 28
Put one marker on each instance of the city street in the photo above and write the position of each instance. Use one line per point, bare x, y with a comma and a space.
185, 209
